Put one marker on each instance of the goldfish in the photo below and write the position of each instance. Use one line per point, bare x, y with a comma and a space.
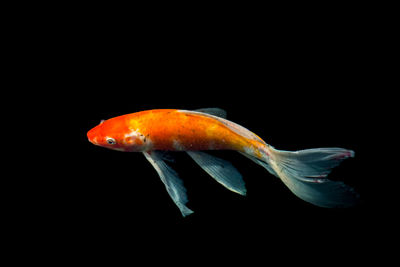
157, 132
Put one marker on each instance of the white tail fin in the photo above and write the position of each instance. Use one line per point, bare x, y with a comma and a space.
304, 173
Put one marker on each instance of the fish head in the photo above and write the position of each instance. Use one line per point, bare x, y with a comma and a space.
114, 134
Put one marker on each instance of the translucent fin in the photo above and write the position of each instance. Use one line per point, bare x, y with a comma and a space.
261, 163
221, 170
304, 173
171, 180
166, 156
312, 164
213, 111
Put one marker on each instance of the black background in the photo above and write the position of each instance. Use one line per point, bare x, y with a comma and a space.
297, 80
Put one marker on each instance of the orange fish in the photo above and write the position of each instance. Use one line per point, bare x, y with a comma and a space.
150, 132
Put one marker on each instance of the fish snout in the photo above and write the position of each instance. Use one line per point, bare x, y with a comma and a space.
91, 135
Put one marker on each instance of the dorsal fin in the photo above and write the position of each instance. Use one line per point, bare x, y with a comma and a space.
213, 111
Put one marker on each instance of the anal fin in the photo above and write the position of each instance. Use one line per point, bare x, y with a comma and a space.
261, 163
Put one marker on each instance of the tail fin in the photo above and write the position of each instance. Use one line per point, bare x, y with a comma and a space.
304, 173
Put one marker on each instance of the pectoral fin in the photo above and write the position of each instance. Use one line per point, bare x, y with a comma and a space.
171, 180
221, 170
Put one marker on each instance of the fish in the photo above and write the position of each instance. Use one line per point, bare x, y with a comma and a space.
159, 132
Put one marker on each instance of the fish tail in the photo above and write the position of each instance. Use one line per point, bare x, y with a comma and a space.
305, 174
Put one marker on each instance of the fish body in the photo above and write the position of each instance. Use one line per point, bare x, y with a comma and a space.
172, 130
303, 172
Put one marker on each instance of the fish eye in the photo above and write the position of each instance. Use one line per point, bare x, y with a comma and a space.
110, 141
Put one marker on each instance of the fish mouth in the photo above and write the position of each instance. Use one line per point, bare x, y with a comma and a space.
93, 141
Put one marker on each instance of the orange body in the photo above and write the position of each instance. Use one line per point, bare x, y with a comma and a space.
170, 129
